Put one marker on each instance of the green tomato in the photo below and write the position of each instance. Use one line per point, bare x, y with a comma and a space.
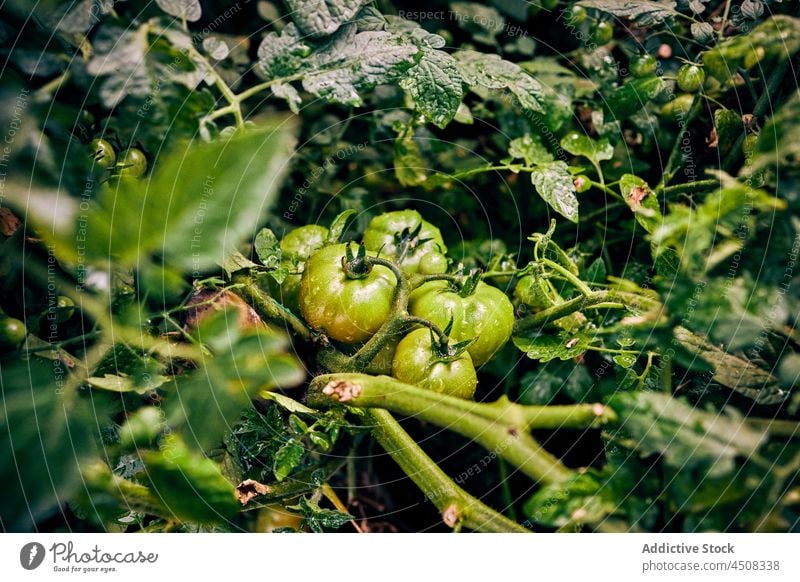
132, 163
346, 309
533, 292
12, 332
296, 248
486, 315
575, 15
749, 144
433, 263
415, 363
103, 153
602, 32
678, 108
65, 308
643, 66
690, 78
390, 233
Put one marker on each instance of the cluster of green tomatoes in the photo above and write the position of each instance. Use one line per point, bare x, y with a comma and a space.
434, 327
131, 163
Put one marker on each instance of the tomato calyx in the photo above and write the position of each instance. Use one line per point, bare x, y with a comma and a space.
407, 241
466, 284
356, 266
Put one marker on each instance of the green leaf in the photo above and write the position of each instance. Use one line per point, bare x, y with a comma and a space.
641, 200
624, 101
190, 485
287, 458
555, 185
597, 272
492, 72
484, 23
195, 217
322, 17
236, 261
139, 63
45, 434
731, 371
202, 405
579, 144
643, 12
530, 149
687, 438
776, 37
124, 383
544, 348
712, 225
583, 498
318, 519
435, 85
409, 167
186, 9
339, 225
268, 248
779, 142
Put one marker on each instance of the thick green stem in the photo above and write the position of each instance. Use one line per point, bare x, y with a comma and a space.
501, 427
568, 276
458, 508
675, 154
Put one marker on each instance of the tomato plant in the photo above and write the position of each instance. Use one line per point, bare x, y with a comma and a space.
253, 256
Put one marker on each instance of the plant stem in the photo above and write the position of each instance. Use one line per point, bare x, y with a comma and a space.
551, 314
501, 427
569, 277
675, 153
456, 505
689, 187
767, 99
267, 307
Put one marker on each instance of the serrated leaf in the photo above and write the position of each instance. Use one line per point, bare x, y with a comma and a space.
409, 167
317, 519
555, 185
289, 94
236, 261
196, 218
287, 458
139, 63
579, 144
354, 61
597, 272
317, 18
624, 360
530, 149
190, 485
708, 442
435, 85
544, 348
776, 37
268, 248
45, 434
186, 9
644, 12
282, 54
492, 72
641, 200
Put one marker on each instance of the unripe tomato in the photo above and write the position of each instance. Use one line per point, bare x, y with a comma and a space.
346, 309
486, 314
416, 363
103, 153
65, 308
12, 332
296, 247
533, 292
643, 66
406, 238
678, 108
690, 78
132, 163
602, 32
575, 15
749, 144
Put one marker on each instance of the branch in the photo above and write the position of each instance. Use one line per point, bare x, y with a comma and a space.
502, 427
